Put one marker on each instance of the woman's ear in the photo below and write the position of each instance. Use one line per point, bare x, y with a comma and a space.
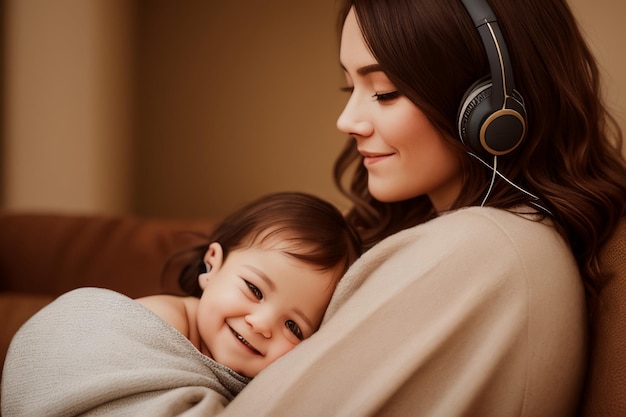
213, 259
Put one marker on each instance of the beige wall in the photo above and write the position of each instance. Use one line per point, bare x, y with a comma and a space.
235, 101
66, 105
188, 108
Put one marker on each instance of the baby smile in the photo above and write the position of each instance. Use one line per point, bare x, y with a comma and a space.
245, 342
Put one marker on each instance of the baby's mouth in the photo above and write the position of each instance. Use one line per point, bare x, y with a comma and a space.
245, 342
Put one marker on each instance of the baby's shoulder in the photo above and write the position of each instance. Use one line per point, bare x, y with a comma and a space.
175, 310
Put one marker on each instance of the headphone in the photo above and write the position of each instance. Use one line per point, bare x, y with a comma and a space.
492, 117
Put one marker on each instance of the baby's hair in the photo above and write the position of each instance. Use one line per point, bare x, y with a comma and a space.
310, 229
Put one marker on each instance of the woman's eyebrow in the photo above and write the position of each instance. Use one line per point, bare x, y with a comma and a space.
367, 69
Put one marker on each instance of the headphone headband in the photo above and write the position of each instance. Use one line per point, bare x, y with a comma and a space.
479, 11
497, 53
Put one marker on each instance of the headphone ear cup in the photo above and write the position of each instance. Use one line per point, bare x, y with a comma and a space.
475, 107
485, 129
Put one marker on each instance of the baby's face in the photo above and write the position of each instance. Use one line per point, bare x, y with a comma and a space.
258, 305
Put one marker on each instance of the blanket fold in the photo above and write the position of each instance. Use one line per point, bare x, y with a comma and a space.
97, 352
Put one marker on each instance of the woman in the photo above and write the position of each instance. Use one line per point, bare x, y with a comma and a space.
482, 231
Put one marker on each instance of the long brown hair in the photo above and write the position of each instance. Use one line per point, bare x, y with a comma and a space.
571, 157
315, 232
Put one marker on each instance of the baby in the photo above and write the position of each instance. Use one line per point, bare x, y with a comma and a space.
271, 269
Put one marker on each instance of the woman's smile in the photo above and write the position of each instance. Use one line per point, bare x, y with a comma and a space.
371, 158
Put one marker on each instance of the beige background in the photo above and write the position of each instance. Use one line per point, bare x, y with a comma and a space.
188, 108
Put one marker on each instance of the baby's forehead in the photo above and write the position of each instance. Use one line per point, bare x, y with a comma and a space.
277, 238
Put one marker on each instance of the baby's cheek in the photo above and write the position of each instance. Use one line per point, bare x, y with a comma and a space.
279, 349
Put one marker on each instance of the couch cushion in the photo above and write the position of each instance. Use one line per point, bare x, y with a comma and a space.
51, 253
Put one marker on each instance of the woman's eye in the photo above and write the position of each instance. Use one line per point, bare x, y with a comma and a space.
254, 290
295, 329
392, 95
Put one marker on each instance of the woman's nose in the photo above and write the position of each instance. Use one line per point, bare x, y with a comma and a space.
354, 120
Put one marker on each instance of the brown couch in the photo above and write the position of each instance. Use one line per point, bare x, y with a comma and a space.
45, 255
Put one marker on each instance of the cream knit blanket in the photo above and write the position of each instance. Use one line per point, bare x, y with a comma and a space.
97, 352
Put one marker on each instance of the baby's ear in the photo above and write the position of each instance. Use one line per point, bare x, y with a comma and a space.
213, 259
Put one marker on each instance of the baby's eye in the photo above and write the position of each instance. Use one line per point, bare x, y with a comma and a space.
254, 290
294, 328
392, 95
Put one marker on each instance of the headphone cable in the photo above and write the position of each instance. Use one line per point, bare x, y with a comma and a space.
494, 168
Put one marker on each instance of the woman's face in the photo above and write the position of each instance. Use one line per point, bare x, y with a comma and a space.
404, 154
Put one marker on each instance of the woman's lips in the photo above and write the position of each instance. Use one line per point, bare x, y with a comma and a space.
370, 158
